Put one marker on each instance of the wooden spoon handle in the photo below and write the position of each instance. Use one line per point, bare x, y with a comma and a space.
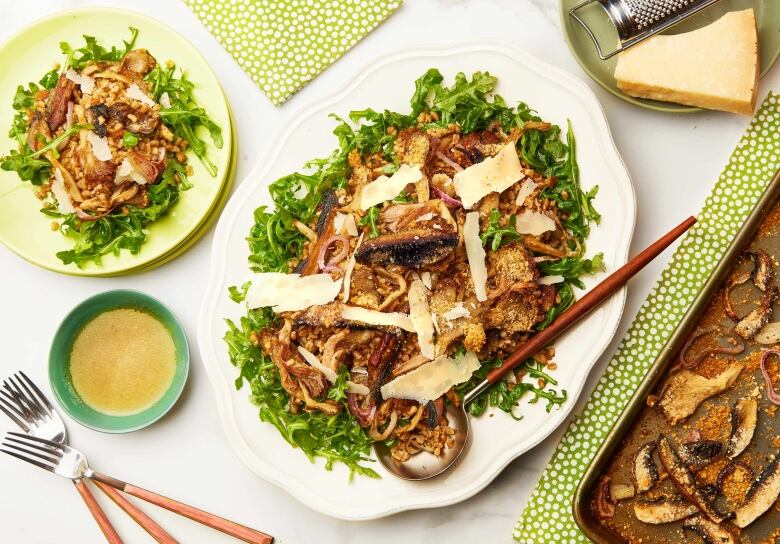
589, 301
149, 525
210, 520
100, 517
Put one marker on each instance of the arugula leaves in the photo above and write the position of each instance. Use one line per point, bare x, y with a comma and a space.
28, 164
274, 240
238, 294
184, 116
92, 51
338, 439
369, 220
552, 157
119, 230
499, 235
507, 396
571, 268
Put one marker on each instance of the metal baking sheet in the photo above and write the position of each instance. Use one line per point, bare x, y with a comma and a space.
639, 423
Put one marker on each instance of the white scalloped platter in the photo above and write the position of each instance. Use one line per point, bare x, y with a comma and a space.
389, 83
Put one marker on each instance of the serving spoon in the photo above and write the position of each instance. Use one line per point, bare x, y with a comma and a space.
425, 465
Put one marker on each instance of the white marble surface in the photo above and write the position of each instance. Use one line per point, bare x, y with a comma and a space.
673, 161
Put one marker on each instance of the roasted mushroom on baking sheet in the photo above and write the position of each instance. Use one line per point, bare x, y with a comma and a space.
703, 454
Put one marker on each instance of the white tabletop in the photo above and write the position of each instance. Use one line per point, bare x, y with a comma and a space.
673, 160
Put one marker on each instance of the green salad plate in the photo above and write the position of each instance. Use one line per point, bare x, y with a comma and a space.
602, 71
208, 221
35, 50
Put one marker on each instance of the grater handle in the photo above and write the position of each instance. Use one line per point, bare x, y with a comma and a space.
639, 37
599, 51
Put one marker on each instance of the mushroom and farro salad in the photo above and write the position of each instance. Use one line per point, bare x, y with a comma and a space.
394, 274
104, 138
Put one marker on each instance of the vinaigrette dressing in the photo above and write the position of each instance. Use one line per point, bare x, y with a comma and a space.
122, 362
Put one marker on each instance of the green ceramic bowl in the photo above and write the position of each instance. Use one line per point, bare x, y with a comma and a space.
59, 373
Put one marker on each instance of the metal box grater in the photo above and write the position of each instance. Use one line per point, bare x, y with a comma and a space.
637, 20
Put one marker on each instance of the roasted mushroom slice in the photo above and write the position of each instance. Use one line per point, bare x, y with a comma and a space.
137, 63
761, 496
685, 482
763, 269
644, 471
325, 316
333, 315
57, 103
519, 311
753, 322
602, 504
684, 391
711, 533
744, 417
474, 147
621, 492
135, 121
97, 116
762, 274
38, 133
663, 509
325, 230
699, 453
397, 217
411, 248
96, 172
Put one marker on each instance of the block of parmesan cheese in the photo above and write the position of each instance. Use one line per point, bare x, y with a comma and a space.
714, 67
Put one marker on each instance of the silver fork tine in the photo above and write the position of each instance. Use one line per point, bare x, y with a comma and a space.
27, 459
13, 406
8, 393
52, 461
15, 396
40, 394
7, 408
29, 399
52, 445
54, 453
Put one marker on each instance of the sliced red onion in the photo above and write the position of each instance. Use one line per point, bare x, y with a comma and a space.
738, 347
365, 414
449, 162
447, 199
84, 216
337, 258
771, 394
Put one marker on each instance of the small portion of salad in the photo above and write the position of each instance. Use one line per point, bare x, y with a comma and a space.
394, 274
104, 139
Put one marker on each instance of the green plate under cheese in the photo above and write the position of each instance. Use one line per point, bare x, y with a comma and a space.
602, 72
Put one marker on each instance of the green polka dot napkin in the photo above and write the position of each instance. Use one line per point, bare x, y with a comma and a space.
284, 44
547, 517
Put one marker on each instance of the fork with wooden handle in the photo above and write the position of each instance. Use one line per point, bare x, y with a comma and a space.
70, 463
28, 407
35, 416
